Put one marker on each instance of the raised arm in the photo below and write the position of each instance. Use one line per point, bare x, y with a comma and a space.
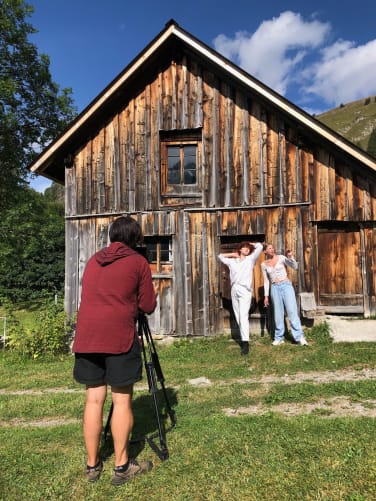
289, 260
229, 254
266, 284
258, 249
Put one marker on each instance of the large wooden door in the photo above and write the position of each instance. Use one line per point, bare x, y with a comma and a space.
340, 285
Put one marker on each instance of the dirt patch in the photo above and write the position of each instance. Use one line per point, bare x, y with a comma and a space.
316, 377
329, 408
36, 423
39, 392
299, 377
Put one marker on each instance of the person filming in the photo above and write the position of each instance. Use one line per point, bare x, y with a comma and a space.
116, 286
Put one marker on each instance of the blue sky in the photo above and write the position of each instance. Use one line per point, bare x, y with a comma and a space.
318, 55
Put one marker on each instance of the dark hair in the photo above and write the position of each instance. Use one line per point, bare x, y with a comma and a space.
127, 231
246, 244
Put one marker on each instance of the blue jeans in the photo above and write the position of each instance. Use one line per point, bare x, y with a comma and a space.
283, 297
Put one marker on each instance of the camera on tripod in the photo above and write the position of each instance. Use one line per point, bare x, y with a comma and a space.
154, 376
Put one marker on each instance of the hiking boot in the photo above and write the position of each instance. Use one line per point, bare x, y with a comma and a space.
302, 341
277, 342
245, 348
134, 468
94, 472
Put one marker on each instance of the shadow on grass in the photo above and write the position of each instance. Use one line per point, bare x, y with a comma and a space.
146, 428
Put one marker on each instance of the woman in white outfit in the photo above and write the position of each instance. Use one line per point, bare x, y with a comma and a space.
282, 293
241, 266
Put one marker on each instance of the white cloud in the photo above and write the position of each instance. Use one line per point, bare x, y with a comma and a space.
345, 73
275, 49
288, 52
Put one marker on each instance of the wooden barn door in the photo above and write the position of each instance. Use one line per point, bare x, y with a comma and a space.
229, 244
340, 285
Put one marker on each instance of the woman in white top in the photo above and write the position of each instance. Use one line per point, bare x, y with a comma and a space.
282, 294
241, 266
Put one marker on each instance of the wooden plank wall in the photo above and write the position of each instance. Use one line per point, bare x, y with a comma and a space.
206, 230
370, 266
258, 176
250, 155
85, 236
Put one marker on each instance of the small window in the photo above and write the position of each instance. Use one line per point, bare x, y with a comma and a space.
180, 163
158, 249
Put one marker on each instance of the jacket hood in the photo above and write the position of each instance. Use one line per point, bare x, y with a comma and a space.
112, 253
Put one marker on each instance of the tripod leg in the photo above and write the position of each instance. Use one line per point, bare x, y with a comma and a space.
158, 370
107, 426
154, 373
163, 452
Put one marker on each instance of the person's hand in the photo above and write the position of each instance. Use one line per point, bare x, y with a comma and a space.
288, 253
266, 301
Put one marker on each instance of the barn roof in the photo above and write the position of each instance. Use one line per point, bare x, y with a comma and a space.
51, 162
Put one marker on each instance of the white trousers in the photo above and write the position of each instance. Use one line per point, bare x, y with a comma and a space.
241, 302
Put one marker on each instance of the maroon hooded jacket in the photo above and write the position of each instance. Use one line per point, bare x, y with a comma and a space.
116, 284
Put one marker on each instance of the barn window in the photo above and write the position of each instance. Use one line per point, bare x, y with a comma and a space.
158, 251
181, 163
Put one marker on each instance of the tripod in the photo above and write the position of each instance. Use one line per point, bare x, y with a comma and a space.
154, 375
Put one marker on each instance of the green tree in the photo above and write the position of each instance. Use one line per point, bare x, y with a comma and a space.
33, 109
55, 193
32, 248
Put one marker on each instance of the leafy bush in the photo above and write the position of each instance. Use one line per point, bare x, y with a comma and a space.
50, 335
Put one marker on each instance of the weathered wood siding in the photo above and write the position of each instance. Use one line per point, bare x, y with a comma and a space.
260, 175
250, 156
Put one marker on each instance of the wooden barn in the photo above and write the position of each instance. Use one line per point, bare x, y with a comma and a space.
204, 156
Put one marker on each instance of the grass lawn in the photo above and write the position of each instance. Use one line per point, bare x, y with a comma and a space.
243, 430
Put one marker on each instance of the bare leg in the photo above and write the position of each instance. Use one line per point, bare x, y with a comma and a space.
92, 421
121, 422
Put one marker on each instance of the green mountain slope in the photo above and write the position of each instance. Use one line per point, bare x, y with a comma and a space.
355, 121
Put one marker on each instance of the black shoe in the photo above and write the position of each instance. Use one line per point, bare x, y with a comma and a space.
245, 348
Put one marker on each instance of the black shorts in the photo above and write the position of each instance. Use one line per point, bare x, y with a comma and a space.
118, 370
